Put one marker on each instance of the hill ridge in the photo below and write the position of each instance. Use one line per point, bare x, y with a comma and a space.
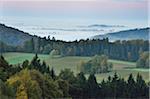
132, 34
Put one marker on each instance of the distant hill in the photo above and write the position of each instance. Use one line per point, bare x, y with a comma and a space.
15, 37
126, 35
12, 36
13, 40
104, 25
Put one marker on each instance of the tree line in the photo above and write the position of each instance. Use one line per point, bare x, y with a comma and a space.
35, 80
121, 50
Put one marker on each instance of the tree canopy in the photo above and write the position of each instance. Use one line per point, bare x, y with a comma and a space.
98, 64
143, 61
30, 82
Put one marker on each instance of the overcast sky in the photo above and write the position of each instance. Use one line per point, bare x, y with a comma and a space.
125, 10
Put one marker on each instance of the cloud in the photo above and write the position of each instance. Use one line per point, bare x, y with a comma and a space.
52, 0
131, 0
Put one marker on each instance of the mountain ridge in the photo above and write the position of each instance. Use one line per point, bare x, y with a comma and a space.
15, 37
132, 34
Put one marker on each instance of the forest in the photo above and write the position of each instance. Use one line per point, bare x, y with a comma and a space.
120, 50
74, 49
35, 80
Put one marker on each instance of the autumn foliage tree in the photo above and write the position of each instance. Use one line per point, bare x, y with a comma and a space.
143, 61
98, 64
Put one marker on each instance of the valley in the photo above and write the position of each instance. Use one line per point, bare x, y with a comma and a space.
123, 68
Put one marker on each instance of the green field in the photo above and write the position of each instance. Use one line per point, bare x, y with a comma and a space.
123, 68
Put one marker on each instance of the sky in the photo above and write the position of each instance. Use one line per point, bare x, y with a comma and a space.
135, 10
132, 13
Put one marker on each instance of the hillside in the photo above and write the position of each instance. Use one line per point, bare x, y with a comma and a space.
12, 36
15, 37
123, 68
126, 35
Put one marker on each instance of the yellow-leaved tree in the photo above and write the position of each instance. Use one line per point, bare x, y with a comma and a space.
31, 84
25, 86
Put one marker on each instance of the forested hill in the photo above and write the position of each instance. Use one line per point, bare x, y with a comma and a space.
15, 37
12, 36
13, 40
126, 35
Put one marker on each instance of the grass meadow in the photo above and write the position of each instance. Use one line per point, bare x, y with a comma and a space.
123, 68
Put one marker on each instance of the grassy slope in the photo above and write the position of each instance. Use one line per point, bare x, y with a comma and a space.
15, 58
121, 67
